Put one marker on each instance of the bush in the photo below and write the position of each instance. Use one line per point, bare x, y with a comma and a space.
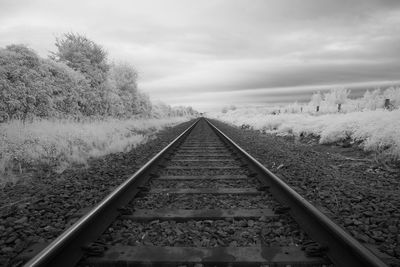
77, 81
36, 87
60, 143
83, 55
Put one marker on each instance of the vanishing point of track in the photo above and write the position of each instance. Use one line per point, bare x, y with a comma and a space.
203, 201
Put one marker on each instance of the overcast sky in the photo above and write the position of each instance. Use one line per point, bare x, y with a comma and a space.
217, 52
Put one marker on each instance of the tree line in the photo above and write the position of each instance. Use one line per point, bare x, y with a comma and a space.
337, 100
77, 80
388, 99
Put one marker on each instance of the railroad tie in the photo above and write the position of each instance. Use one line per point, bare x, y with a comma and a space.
255, 220
226, 256
215, 191
198, 214
202, 177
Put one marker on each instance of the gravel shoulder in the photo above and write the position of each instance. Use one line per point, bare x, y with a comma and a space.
358, 193
39, 209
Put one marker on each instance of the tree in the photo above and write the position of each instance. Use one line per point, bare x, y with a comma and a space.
144, 104
160, 109
337, 96
394, 95
24, 55
293, 107
66, 87
122, 85
83, 55
232, 107
316, 100
372, 100
76, 81
33, 86
125, 77
20, 81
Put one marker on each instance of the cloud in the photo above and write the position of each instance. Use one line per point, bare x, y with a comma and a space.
208, 53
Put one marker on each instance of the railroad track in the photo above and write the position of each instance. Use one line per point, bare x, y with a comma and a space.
203, 201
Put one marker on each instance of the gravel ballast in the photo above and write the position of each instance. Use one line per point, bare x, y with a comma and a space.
197, 172
38, 210
360, 195
243, 183
204, 164
205, 233
203, 201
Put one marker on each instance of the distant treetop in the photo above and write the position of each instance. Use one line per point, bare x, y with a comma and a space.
83, 55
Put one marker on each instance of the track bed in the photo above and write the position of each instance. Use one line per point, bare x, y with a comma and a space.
203, 202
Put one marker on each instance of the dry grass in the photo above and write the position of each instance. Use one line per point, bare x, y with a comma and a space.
60, 143
377, 131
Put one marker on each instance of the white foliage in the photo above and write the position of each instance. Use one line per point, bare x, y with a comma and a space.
394, 95
362, 119
316, 99
377, 131
62, 143
337, 96
372, 100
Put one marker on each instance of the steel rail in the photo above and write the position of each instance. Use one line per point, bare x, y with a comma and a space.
66, 250
343, 249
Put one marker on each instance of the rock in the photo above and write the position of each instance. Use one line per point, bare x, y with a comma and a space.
263, 218
242, 223
362, 192
7, 249
20, 246
196, 242
229, 219
234, 243
49, 228
147, 243
17, 227
221, 243
245, 234
230, 230
347, 222
362, 237
11, 239
392, 229
397, 251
